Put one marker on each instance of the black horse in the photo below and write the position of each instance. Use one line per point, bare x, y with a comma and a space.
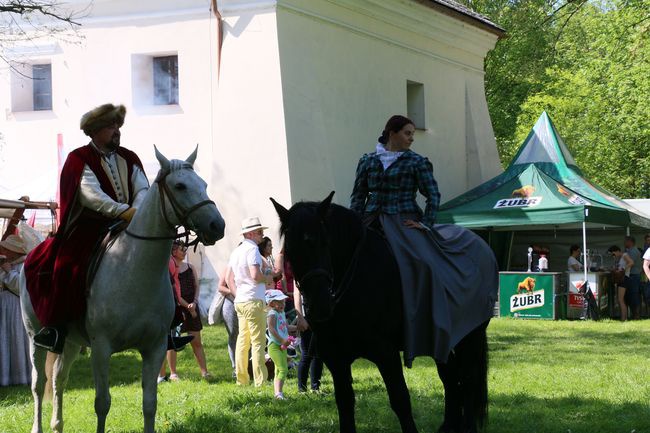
350, 281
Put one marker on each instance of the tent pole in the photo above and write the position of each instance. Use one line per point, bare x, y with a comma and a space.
512, 238
584, 245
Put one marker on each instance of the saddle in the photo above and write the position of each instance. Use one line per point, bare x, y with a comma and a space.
100, 249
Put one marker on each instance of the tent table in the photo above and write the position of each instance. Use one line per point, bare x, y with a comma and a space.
600, 285
531, 295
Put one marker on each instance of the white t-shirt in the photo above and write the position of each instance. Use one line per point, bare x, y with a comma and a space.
573, 261
245, 255
646, 255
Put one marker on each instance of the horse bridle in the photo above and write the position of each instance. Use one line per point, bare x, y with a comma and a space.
182, 214
344, 285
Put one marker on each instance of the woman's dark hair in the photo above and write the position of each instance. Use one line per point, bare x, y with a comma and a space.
394, 124
262, 245
613, 249
573, 248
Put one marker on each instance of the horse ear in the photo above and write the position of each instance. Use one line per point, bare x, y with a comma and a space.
192, 157
283, 213
324, 206
164, 162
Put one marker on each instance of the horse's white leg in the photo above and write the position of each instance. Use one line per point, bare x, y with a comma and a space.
100, 356
39, 379
152, 359
60, 372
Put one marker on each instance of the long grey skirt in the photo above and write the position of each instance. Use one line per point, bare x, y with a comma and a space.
15, 365
449, 279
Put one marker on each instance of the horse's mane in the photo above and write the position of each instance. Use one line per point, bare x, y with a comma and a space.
343, 225
174, 165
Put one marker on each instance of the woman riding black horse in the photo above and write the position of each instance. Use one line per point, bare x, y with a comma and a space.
444, 279
438, 271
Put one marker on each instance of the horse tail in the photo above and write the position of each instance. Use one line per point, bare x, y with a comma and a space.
472, 355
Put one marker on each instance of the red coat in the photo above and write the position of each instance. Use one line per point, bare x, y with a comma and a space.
56, 269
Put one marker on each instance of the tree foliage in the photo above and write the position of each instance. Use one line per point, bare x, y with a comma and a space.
587, 63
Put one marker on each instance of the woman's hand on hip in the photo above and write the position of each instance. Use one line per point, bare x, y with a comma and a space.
414, 224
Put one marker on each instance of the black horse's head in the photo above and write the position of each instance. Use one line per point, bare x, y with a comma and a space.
319, 238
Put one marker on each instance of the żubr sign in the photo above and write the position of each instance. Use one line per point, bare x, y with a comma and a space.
517, 202
526, 301
521, 197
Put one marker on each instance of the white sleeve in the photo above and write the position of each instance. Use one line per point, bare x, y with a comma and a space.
92, 196
646, 255
254, 258
140, 186
11, 279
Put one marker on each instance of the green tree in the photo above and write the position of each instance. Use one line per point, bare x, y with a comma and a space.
598, 94
587, 63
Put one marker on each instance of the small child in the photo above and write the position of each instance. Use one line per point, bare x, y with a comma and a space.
278, 336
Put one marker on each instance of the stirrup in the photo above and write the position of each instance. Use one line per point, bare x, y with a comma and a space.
51, 339
178, 343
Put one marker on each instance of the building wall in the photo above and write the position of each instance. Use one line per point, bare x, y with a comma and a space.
104, 64
345, 67
250, 158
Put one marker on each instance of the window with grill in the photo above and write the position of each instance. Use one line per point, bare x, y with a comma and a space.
42, 87
165, 80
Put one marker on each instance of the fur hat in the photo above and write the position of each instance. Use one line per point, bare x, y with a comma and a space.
102, 116
14, 243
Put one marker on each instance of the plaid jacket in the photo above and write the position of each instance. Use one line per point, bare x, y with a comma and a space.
394, 190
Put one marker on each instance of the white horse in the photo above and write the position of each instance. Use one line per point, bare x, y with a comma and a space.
130, 303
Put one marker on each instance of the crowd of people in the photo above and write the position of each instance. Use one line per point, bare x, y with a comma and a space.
631, 276
260, 307
260, 289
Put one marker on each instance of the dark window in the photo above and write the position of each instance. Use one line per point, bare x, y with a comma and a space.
42, 75
165, 80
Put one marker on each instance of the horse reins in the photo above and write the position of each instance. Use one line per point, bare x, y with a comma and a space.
344, 285
182, 214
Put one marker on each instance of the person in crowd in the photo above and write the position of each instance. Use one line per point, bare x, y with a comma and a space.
384, 195
229, 316
268, 262
645, 280
245, 276
285, 284
646, 262
623, 263
188, 300
15, 364
278, 338
309, 365
633, 294
101, 183
573, 264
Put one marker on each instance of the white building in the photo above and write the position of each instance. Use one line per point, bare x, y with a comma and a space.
299, 90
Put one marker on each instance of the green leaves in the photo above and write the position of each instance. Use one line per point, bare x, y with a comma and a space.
588, 65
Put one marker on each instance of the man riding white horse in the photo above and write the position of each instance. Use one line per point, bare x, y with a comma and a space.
101, 183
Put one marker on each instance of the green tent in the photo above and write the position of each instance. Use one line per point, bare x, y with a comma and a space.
542, 187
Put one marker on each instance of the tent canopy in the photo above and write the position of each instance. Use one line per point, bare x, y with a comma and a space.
542, 186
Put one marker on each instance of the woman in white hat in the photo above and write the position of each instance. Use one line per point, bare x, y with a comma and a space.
15, 366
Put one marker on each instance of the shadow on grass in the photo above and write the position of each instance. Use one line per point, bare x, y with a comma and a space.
125, 369
512, 413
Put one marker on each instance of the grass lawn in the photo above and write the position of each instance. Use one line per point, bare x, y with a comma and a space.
544, 377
